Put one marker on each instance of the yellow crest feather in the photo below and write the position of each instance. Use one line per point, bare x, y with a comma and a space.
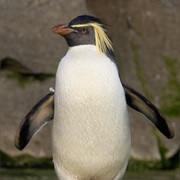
102, 40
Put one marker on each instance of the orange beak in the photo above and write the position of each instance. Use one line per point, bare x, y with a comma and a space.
62, 29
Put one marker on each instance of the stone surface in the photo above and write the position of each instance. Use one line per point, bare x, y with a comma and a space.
26, 34
26, 37
145, 36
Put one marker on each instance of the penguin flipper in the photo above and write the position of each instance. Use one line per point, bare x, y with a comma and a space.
38, 116
145, 107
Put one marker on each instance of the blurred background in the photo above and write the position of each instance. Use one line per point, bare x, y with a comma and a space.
146, 38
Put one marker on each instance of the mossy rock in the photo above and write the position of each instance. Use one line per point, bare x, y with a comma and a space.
170, 101
24, 161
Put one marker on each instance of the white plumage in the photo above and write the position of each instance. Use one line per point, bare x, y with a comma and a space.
91, 136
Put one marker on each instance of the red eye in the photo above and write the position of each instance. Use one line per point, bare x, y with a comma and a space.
84, 31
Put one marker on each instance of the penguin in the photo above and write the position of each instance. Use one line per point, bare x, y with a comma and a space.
91, 133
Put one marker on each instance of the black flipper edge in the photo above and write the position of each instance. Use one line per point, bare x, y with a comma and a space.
145, 107
39, 115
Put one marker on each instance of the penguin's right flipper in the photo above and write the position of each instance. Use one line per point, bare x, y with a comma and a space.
145, 107
39, 115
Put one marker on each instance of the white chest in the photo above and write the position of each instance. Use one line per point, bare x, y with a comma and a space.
91, 121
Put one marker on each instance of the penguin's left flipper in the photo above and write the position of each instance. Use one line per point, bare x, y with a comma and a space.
145, 107
39, 115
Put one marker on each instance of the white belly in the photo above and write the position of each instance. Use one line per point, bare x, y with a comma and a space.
91, 135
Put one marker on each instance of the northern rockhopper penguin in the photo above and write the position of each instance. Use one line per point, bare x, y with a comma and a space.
91, 133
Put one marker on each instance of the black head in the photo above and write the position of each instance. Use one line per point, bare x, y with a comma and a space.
84, 30
84, 19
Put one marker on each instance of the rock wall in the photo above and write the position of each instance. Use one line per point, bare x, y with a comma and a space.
29, 47
145, 37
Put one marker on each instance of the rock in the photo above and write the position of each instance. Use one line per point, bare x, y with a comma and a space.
26, 34
26, 38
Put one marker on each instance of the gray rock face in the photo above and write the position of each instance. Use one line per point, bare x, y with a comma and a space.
26, 37
26, 33
145, 37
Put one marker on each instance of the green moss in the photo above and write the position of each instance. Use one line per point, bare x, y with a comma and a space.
165, 164
24, 79
164, 161
27, 174
139, 70
22, 74
20, 79
141, 165
24, 161
27, 161
170, 101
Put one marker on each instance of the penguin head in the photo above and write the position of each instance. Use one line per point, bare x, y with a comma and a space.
85, 30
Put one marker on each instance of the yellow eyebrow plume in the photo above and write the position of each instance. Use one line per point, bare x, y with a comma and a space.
102, 40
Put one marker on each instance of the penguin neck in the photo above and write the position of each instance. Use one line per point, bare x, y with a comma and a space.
109, 53
83, 47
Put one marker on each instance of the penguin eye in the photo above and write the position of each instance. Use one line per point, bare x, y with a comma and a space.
84, 31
